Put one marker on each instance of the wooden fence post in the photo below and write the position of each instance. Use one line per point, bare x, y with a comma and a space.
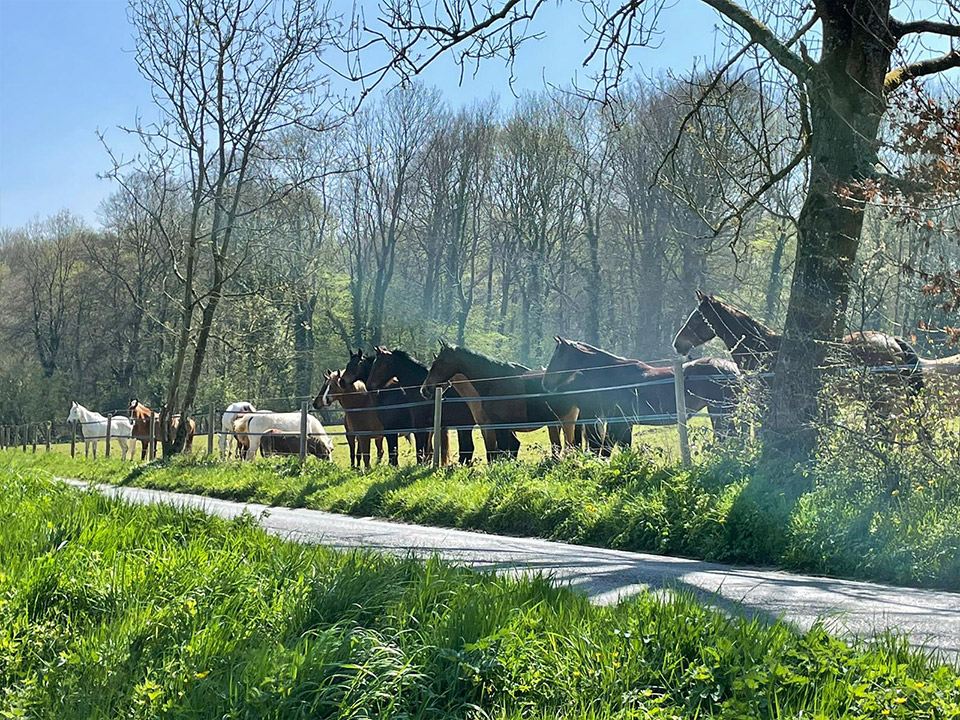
23, 439
73, 439
303, 430
106, 452
49, 434
210, 419
681, 397
36, 431
153, 437
437, 421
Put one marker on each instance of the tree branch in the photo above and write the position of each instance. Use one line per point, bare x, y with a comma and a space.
899, 75
900, 28
763, 36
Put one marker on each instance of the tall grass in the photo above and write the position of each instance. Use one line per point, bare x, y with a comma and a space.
108, 610
848, 514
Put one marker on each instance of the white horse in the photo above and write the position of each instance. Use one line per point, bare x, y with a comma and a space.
93, 427
256, 424
226, 423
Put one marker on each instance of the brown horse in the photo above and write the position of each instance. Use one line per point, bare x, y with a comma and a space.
501, 388
361, 421
754, 347
140, 415
631, 392
397, 366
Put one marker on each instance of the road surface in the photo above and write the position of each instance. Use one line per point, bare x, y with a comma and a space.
857, 610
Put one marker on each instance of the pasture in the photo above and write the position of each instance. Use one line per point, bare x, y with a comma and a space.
111, 610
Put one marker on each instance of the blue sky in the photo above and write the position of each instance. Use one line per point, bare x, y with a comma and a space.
66, 71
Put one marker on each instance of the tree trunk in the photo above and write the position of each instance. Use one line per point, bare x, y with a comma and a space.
847, 102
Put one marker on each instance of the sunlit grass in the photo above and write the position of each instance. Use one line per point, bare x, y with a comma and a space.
108, 610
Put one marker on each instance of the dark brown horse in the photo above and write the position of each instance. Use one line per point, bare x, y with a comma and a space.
632, 392
409, 374
140, 415
361, 420
892, 366
501, 388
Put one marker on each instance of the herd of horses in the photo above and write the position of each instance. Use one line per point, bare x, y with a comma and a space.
585, 395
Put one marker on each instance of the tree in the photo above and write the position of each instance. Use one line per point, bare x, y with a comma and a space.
227, 76
863, 60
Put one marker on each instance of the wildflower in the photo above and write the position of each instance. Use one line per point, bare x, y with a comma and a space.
895, 492
201, 675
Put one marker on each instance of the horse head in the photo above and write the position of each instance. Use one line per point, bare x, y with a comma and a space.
444, 367
698, 327
563, 366
357, 367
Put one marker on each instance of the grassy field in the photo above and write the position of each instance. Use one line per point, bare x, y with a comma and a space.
108, 610
849, 517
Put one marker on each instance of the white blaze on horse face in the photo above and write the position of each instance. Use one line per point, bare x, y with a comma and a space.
325, 400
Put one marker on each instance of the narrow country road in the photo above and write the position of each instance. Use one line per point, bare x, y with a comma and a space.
853, 609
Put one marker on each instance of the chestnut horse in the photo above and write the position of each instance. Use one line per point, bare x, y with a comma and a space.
140, 415
360, 421
509, 394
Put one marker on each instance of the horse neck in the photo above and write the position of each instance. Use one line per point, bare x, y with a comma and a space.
740, 331
86, 416
409, 372
356, 396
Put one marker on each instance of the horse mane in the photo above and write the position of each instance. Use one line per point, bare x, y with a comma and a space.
746, 323
407, 357
593, 350
504, 367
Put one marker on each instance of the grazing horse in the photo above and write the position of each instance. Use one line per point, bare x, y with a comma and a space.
409, 375
226, 424
361, 420
632, 392
140, 415
501, 388
254, 426
276, 442
754, 347
93, 427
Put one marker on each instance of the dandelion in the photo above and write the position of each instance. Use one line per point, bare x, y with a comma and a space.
201, 675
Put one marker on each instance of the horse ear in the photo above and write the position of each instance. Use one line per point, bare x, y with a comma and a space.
700, 295
558, 339
444, 343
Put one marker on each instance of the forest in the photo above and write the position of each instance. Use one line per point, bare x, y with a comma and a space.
496, 226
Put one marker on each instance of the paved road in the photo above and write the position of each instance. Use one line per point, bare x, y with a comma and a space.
854, 609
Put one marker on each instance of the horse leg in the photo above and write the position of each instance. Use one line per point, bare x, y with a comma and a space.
94, 449
379, 442
555, 446
253, 447
392, 450
465, 446
618, 433
363, 442
422, 442
143, 449
352, 444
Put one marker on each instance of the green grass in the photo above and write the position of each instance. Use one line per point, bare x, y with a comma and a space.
846, 518
109, 610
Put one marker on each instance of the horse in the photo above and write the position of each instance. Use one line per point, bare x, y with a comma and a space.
253, 426
410, 374
275, 442
93, 427
140, 415
361, 421
634, 392
395, 421
226, 424
754, 347
502, 389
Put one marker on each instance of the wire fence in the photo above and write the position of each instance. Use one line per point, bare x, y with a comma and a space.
217, 427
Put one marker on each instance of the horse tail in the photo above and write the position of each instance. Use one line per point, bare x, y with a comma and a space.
913, 365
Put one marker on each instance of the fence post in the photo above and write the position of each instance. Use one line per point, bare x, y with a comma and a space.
73, 439
681, 397
49, 434
152, 447
106, 452
210, 419
23, 439
437, 420
36, 430
303, 430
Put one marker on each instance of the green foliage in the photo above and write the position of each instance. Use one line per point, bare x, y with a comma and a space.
833, 517
109, 610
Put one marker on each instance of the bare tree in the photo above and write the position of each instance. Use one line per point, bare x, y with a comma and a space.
227, 76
